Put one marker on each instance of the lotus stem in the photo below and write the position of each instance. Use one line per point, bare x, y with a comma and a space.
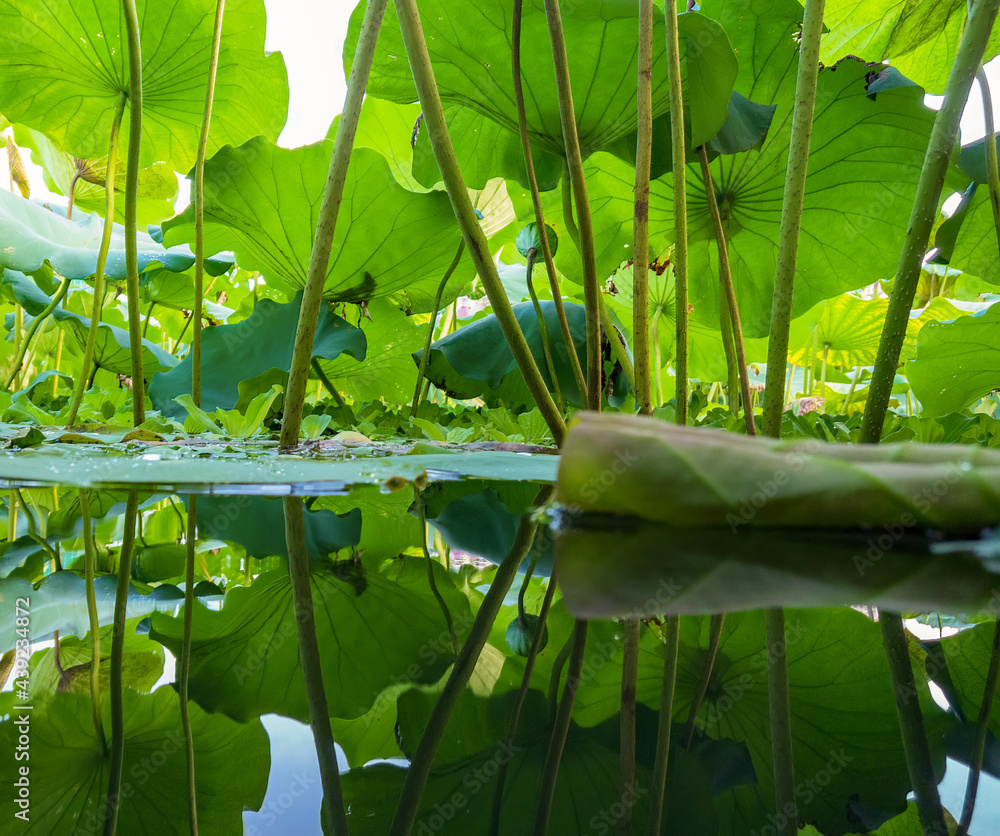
22, 349
630, 675
716, 624
671, 646
424, 358
992, 172
982, 726
185, 661
515, 716
574, 162
328, 384
334, 817
936, 163
419, 502
640, 219
529, 166
854, 385
543, 331
102, 257
423, 758
729, 348
617, 342
791, 215
475, 240
729, 292
567, 207
117, 654
560, 730
95, 625
199, 207
312, 293
786, 810
680, 260
911, 724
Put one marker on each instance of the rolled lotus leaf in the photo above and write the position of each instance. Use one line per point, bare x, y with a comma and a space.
646, 468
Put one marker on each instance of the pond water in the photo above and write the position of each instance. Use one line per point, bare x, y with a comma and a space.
399, 568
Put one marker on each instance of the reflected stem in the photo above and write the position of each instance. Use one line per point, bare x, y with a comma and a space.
117, 655
560, 730
640, 217
419, 501
779, 701
716, 624
671, 645
630, 676
95, 626
185, 660
335, 819
423, 758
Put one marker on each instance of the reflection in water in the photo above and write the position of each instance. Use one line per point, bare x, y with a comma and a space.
391, 622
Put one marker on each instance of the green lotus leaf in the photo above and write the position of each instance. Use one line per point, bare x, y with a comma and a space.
919, 37
65, 65
262, 202
957, 362
260, 345
375, 631
967, 656
69, 768
388, 128
472, 67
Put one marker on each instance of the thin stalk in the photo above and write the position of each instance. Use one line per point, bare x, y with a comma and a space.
729, 292
567, 208
640, 219
729, 348
679, 153
131, 200
419, 501
71, 196
95, 626
716, 624
420, 765
791, 215
811, 367
670, 648
560, 729
18, 332
117, 655
328, 384
617, 342
556, 674
312, 293
657, 359
536, 199
992, 172
574, 161
33, 328
781, 722
185, 661
630, 675
515, 716
788, 386
475, 240
102, 257
982, 726
199, 206
334, 817
149, 316
822, 372
430, 327
911, 725
922, 217
543, 332
854, 385
60, 344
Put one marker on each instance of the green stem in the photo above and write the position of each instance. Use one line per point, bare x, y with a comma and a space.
33, 328
982, 726
786, 809
102, 257
922, 217
822, 370
556, 674
334, 817
729, 348
420, 765
574, 161
854, 385
430, 327
185, 661
788, 386
992, 168
729, 293
131, 200
616, 341
419, 501
670, 650
567, 208
536, 199
911, 724
515, 716
640, 219
630, 675
791, 216
328, 384
475, 240
312, 293
716, 624
117, 654
657, 359
560, 729
544, 332
95, 626
199, 206
679, 153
